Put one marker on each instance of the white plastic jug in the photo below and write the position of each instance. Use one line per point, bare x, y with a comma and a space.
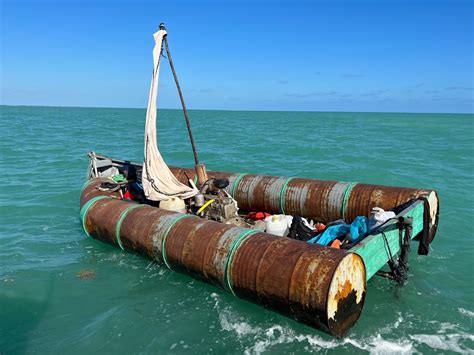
379, 216
173, 204
277, 224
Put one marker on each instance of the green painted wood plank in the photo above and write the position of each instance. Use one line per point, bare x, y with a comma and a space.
373, 249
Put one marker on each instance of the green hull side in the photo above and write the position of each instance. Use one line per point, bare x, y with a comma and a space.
373, 249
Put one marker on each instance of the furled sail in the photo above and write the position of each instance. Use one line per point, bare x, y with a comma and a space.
158, 181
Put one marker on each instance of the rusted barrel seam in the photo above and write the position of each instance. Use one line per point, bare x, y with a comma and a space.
249, 193
163, 250
87, 183
236, 183
232, 250
120, 220
283, 193
210, 251
347, 194
90, 181
85, 209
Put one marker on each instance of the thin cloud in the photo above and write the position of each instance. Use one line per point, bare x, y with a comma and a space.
352, 75
451, 98
313, 94
299, 95
375, 93
282, 82
459, 88
414, 86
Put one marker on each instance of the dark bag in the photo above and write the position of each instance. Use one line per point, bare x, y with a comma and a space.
300, 231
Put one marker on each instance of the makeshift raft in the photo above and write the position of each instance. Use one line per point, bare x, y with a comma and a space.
318, 285
196, 222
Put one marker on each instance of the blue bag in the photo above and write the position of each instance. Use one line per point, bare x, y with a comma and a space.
358, 229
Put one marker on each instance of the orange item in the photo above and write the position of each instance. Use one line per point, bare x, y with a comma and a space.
336, 244
320, 227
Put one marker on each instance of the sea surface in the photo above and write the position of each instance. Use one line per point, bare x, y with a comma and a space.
131, 305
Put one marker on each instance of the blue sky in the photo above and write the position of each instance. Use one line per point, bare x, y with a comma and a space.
402, 56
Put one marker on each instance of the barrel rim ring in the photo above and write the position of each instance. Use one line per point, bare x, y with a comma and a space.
364, 292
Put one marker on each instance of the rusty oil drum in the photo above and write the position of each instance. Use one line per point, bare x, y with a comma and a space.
320, 200
320, 286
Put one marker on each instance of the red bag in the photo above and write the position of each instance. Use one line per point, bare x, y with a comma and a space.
257, 216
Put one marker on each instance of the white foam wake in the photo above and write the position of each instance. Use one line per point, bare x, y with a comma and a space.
448, 337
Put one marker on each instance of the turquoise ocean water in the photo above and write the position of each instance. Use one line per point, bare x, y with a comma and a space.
135, 306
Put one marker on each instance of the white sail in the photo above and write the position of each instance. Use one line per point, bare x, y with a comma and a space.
158, 181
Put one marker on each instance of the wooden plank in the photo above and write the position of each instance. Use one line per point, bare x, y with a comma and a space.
373, 249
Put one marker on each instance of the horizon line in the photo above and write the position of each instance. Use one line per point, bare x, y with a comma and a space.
244, 110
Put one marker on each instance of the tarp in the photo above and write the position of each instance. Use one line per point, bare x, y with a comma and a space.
159, 183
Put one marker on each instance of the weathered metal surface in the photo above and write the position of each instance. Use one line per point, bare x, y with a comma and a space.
293, 277
310, 198
346, 293
317, 285
90, 190
325, 201
302, 195
364, 197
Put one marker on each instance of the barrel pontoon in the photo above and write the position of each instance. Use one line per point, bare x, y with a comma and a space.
318, 285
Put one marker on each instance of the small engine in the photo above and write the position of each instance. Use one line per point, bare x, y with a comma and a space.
222, 209
216, 204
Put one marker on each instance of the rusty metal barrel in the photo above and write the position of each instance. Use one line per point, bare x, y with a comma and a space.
320, 286
325, 201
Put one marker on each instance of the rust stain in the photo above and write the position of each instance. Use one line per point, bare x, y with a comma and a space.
344, 290
286, 275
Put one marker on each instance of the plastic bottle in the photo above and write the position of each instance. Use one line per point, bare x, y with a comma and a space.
277, 225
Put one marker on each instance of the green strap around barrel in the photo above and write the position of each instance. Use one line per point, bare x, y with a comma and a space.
163, 250
232, 249
85, 209
236, 183
121, 219
345, 198
283, 193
